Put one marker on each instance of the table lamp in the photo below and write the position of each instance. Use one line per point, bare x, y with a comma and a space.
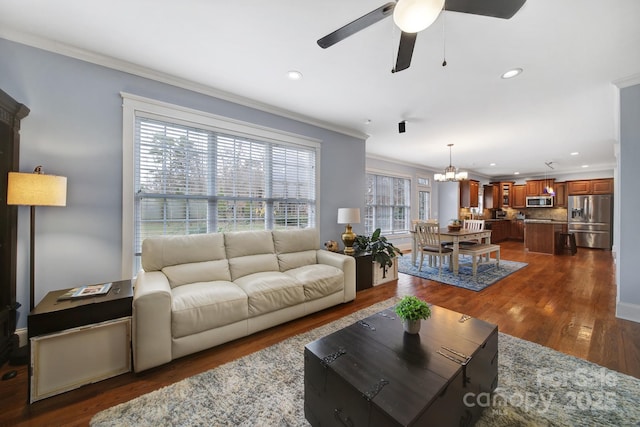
35, 189
348, 216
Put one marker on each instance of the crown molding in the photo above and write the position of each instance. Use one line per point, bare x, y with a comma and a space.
628, 81
148, 73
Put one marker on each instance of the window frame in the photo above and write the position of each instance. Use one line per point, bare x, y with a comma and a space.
134, 106
408, 194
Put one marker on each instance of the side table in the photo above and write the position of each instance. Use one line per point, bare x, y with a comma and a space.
80, 341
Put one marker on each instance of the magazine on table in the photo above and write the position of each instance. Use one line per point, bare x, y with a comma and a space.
86, 291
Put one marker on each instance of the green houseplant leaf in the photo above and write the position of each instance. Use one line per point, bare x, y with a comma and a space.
380, 249
412, 308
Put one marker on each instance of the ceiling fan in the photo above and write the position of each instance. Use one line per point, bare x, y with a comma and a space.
427, 11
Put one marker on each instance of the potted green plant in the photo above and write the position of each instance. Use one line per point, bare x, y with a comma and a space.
382, 251
412, 310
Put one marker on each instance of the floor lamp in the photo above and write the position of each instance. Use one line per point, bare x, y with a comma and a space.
35, 189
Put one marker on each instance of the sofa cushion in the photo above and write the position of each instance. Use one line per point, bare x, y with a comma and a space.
296, 259
246, 265
243, 243
194, 272
160, 252
319, 280
287, 241
270, 291
198, 307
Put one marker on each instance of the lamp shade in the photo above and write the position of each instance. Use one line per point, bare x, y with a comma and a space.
35, 189
349, 216
412, 16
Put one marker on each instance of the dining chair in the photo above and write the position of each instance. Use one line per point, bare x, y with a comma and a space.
429, 242
472, 225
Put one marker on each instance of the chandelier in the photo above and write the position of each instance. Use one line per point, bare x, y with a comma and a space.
450, 172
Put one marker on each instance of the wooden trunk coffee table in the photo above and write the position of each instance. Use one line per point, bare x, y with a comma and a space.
371, 373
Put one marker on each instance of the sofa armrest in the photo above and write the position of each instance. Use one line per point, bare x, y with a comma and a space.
345, 263
151, 335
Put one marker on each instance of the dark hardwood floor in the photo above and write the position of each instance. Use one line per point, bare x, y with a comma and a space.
563, 302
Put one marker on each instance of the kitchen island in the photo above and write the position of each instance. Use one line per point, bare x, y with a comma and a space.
540, 235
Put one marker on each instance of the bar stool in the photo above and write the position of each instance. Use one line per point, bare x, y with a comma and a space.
567, 242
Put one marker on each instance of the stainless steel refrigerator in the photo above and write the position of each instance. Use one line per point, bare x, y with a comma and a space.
590, 220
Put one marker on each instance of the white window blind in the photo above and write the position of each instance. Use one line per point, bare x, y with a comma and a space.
190, 180
388, 204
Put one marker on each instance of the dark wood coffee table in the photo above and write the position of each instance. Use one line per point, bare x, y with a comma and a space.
373, 374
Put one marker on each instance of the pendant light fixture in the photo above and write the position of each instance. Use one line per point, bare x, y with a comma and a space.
450, 172
547, 188
412, 16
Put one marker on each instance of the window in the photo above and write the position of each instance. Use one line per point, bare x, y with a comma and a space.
424, 198
388, 204
204, 175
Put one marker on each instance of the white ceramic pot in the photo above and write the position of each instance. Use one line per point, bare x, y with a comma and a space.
411, 326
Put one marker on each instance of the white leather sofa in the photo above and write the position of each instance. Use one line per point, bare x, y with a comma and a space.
198, 291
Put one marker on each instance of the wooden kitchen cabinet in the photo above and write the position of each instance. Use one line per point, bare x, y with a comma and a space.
502, 194
590, 186
536, 187
491, 200
561, 194
469, 193
517, 230
500, 231
519, 199
602, 186
577, 188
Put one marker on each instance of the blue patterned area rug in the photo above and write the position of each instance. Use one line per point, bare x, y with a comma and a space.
487, 274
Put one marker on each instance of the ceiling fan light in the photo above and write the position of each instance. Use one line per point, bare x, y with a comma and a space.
412, 16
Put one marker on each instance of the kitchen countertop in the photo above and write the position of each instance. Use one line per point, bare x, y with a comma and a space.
544, 221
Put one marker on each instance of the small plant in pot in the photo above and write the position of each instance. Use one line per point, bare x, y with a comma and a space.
412, 310
382, 251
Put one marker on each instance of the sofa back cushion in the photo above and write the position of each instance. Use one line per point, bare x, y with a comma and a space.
165, 251
250, 252
195, 272
296, 248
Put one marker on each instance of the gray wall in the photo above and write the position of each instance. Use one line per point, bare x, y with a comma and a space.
628, 277
75, 130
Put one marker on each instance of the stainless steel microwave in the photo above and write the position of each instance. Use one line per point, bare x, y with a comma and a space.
540, 201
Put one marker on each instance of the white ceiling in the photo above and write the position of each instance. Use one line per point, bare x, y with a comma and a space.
571, 52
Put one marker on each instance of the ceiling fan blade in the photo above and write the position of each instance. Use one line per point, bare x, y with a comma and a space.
405, 51
357, 25
504, 9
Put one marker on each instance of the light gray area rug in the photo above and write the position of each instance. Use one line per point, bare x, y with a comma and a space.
537, 387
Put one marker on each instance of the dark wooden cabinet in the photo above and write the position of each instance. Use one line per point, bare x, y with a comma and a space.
469, 189
364, 271
500, 231
602, 186
577, 188
490, 198
561, 194
519, 199
11, 112
537, 187
517, 230
590, 186
502, 194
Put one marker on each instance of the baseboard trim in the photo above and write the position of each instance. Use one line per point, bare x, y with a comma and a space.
628, 311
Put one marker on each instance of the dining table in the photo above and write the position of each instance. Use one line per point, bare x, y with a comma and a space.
455, 237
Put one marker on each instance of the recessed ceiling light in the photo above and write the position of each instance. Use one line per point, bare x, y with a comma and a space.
585, 166
512, 73
516, 173
575, 153
294, 75
492, 164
